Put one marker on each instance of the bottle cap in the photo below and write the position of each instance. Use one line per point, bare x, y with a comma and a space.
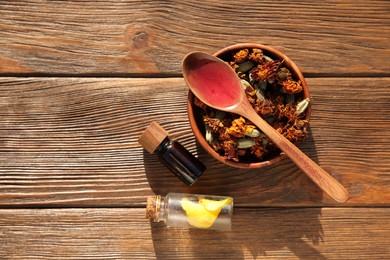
152, 207
152, 137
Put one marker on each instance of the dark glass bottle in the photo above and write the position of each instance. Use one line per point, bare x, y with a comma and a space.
172, 154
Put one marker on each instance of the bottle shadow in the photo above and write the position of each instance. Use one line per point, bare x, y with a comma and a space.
255, 231
273, 231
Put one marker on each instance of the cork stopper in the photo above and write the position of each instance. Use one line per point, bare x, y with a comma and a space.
152, 137
153, 207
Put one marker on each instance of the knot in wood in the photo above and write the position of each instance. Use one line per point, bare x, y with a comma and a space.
140, 40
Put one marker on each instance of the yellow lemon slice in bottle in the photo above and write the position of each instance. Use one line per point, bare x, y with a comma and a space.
204, 213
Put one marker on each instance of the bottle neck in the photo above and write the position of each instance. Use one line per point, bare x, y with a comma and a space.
163, 145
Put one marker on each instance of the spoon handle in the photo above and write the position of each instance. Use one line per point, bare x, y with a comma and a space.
318, 175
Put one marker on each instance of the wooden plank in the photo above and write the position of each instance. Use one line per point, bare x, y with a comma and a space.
311, 233
72, 141
129, 37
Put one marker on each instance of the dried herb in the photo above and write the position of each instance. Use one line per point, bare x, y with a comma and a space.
274, 94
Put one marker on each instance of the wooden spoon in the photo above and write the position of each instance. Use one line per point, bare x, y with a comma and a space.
216, 84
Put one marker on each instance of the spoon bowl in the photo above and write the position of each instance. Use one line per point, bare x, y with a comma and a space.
216, 84
207, 73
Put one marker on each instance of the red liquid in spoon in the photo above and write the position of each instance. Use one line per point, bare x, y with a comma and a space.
213, 83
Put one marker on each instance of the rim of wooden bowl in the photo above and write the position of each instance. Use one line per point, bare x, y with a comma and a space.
297, 74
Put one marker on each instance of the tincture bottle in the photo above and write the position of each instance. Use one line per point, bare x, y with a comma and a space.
172, 154
191, 211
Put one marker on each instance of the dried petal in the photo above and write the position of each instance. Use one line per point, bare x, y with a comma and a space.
260, 95
246, 66
251, 131
301, 106
209, 135
245, 143
245, 84
267, 58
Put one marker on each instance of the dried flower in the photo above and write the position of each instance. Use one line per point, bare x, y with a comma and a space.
273, 93
230, 149
268, 71
291, 87
256, 56
215, 124
264, 107
284, 74
241, 55
238, 128
288, 111
258, 150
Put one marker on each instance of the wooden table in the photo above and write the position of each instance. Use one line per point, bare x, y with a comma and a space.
80, 81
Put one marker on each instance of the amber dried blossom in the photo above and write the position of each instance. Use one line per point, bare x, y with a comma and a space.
268, 71
291, 86
241, 55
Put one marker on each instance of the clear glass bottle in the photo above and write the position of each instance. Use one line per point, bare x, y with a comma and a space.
172, 154
191, 211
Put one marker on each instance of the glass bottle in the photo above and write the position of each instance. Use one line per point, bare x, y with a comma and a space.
191, 211
172, 154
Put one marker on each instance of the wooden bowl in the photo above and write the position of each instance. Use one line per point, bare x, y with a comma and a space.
195, 117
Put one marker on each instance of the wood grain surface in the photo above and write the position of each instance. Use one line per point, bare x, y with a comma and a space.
81, 80
131, 37
73, 141
328, 233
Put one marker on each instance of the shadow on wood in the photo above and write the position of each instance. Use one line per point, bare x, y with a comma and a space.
255, 232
